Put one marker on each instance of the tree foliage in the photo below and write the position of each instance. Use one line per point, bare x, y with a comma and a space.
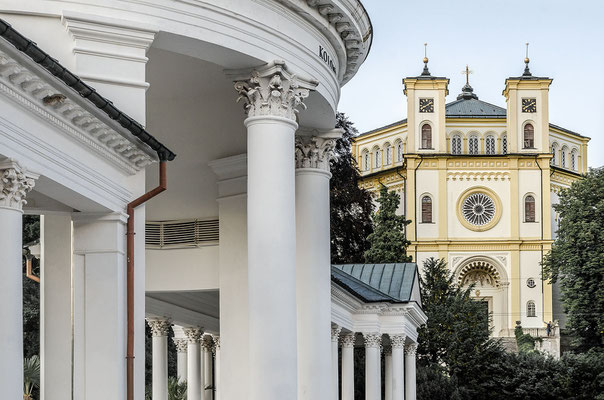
31, 292
577, 258
388, 240
351, 206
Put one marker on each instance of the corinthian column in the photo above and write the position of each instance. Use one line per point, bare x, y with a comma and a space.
410, 351
181, 358
272, 96
348, 366
313, 275
398, 366
15, 183
373, 385
193, 363
160, 328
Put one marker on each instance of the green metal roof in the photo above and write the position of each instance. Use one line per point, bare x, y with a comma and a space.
378, 282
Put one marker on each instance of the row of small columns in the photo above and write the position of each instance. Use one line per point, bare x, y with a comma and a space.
196, 352
399, 360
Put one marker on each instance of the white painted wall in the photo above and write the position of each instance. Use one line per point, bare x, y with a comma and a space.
182, 269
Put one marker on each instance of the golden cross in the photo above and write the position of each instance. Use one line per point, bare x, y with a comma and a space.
467, 73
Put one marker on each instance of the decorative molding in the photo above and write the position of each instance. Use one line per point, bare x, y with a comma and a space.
207, 343
216, 343
60, 108
159, 326
335, 333
15, 183
478, 176
411, 349
372, 340
314, 152
193, 334
181, 344
349, 340
273, 90
398, 341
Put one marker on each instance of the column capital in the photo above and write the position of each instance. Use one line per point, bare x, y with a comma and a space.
207, 343
314, 151
15, 183
216, 342
193, 334
335, 333
398, 341
181, 344
411, 349
372, 340
272, 90
348, 340
159, 326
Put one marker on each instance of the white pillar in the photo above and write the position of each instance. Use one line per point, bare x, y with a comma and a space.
160, 328
313, 267
373, 384
217, 389
348, 366
388, 373
398, 366
193, 363
207, 346
14, 185
272, 95
410, 351
55, 307
335, 335
181, 358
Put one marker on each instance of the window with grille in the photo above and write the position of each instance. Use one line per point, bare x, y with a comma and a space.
180, 233
529, 209
399, 151
456, 145
490, 145
573, 161
530, 309
504, 144
366, 161
554, 150
378, 159
563, 157
426, 136
473, 145
388, 155
529, 136
426, 209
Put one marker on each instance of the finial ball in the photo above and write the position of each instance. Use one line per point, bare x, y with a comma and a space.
526, 60
425, 60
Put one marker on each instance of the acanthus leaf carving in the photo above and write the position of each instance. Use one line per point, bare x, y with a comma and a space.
314, 152
397, 341
159, 326
372, 340
15, 183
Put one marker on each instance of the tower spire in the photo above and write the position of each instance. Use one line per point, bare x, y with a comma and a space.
467, 92
527, 71
425, 72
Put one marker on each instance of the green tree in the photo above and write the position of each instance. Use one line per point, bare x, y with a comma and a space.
388, 240
577, 258
351, 206
31, 292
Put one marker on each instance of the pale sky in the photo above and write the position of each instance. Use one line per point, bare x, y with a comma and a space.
566, 43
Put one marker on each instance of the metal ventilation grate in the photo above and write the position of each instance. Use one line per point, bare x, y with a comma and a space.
180, 233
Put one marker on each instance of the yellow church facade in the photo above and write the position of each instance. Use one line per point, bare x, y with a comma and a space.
478, 182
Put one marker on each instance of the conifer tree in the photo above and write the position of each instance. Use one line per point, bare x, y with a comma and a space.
388, 240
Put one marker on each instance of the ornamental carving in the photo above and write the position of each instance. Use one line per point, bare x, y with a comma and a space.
216, 342
207, 343
159, 326
335, 333
480, 273
15, 183
411, 349
193, 334
372, 340
273, 91
397, 341
181, 345
314, 152
348, 340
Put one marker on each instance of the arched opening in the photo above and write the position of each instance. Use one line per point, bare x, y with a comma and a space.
529, 208
456, 144
426, 136
490, 145
473, 145
531, 310
504, 144
426, 209
529, 136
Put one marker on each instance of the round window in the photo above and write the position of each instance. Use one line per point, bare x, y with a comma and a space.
530, 282
478, 209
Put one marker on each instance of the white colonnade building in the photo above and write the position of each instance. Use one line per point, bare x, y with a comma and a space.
235, 254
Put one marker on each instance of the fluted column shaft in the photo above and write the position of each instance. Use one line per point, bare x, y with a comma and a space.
348, 366
373, 384
398, 366
193, 363
14, 185
159, 372
410, 376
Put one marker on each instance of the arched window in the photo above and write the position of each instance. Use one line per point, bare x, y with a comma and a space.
573, 160
456, 144
504, 144
490, 145
399, 151
563, 157
530, 309
366, 161
426, 136
554, 151
388, 154
378, 159
426, 209
529, 209
473, 145
529, 136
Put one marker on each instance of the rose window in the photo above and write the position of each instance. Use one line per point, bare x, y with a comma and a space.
478, 209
